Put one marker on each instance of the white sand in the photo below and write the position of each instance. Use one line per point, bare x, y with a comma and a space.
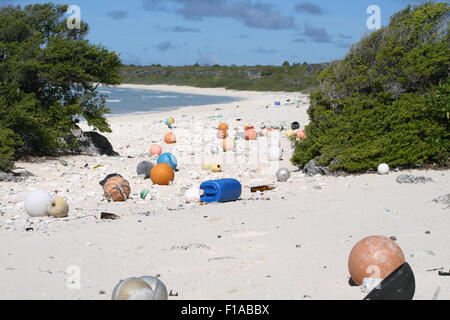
293, 246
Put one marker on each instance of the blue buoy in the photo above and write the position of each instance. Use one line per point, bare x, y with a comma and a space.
222, 190
168, 158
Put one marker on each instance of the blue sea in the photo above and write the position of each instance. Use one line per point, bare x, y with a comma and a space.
125, 101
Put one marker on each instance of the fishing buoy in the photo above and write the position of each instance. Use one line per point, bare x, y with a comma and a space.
374, 257
222, 134
170, 138
274, 153
251, 134
223, 127
36, 203
168, 158
170, 121
295, 125
144, 168
383, 168
58, 208
283, 175
193, 195
289, 133
155, 149
228, 144
301, 134
133, 289
117, 189
158, 287
162, 174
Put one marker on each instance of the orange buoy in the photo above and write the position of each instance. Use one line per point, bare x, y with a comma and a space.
117, 188
155, 149
301, 134
222, 134
170, 138
223, 127
162, 174
374, 257
251, 134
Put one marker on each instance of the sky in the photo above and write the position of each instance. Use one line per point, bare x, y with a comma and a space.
227, 32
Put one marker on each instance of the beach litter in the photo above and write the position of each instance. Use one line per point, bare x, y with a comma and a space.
144, 168
222, 190
381, 259
58, 207
36, 203
383, 169
63, 162
155, 149
162, 174
262, 188
193, 195
283, 175
143, 288
143, 194
108, 216
116, 188
295, 125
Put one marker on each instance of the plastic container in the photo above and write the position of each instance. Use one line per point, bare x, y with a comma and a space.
222, 190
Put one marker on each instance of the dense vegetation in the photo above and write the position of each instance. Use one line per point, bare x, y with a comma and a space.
296, 77
387, 100
47, 76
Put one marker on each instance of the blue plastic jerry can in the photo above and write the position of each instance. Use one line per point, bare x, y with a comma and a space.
222, 190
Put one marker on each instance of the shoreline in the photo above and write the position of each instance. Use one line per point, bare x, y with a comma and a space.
184, 90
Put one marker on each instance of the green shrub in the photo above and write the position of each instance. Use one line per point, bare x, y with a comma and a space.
387, 100
47, 77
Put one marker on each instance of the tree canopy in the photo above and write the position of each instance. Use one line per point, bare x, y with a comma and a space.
48, 77
387, 100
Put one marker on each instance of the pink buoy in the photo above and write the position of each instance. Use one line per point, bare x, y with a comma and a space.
155, 149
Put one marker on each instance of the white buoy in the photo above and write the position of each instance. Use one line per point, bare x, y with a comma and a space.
36, 203
383, 168
193, 194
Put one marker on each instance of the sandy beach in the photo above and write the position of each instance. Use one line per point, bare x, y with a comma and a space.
292, 242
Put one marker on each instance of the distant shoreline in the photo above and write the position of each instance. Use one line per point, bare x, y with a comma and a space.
167, 89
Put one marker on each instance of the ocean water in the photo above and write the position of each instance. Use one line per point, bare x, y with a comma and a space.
125, 101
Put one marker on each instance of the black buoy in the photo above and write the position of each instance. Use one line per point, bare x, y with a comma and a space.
144, 168
399, 285
295, 125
